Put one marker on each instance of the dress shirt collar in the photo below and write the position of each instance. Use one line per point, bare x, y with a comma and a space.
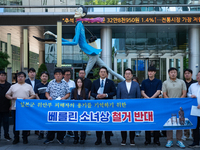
151, 80
104, 81
54, 80
173, 80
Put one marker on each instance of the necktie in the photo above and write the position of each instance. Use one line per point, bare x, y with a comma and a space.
102, 83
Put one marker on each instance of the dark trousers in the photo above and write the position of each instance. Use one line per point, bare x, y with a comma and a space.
196, 132
4, 116
156, 135
100, 133
83, 135
16, 133
60, 135
131, 135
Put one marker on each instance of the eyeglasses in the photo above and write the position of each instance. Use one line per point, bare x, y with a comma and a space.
20, 76
67, 74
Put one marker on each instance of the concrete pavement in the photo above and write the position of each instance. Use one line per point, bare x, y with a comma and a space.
35, 144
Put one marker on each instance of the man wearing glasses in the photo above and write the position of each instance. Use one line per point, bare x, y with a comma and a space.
67, 76
19, 90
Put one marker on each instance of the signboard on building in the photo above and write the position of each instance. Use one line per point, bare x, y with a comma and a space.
141, 20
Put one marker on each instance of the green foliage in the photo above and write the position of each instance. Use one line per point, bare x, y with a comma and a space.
116, 81
41, 69
185, 63
102, 2
4, 60
96, 73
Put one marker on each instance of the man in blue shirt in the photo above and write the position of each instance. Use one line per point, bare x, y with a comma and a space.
40, 90
151, 88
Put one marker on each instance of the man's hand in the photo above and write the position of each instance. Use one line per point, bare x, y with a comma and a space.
198, 106
49, 98
62, 98
100, 96
193, 96
13, 98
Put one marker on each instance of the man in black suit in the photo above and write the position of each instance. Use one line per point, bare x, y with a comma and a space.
103, 88
31, 78
33, 82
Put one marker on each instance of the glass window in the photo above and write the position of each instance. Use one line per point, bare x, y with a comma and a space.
125, 63
133, 66
119, 66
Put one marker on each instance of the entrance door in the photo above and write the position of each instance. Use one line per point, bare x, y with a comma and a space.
142, 68
155, 63
176, 62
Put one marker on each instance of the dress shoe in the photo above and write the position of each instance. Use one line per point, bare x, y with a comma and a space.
157, 143
15, 141
194, 145
108, 143
82, 141
147, 143
98, 142
7, 137
75, 142
132, 143
123, 143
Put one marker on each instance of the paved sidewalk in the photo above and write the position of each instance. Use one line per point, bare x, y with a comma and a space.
35, 144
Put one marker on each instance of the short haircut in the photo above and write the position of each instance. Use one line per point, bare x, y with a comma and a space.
172, 68
67, 70
31, 69
128, 69
152, 68
58, 70
82, 70
21, 73
3, 72
44, 72
104, 68
189, 70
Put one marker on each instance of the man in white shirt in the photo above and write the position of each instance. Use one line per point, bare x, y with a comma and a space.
67, 76
128, 89
19, 90
194, 92
31, 78
71, 84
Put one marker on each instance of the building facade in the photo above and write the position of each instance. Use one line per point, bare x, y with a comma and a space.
135, 33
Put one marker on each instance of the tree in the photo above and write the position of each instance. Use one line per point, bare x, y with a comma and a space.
4, 60
41, 69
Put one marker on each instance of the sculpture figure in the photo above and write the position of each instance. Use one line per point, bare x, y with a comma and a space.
79, 38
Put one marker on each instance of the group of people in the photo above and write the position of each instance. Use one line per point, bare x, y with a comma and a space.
62, 88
